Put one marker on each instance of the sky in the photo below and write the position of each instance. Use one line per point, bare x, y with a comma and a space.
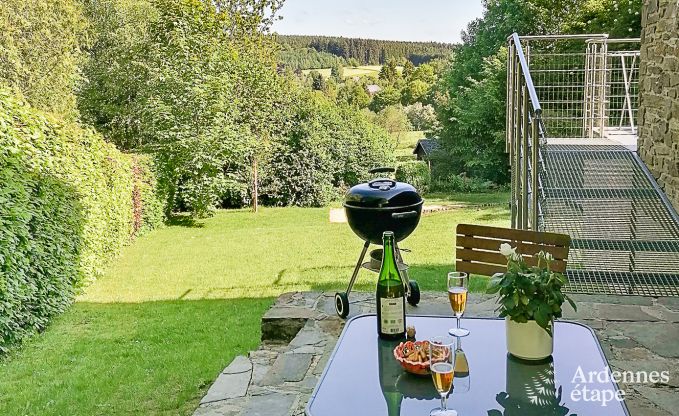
415, 20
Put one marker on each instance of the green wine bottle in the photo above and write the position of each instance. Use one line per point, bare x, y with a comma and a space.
390, 294
390, 371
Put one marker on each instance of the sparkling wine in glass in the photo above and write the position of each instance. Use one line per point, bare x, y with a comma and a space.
442, 359
458, 286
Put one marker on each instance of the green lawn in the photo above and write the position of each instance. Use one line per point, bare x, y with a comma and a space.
352, 71
407, 140
152, 334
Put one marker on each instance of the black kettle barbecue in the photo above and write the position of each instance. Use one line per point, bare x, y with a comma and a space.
373, 208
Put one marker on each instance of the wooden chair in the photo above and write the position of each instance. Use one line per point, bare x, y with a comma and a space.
478, 248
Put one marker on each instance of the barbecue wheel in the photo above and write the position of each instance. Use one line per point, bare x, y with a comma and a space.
414, 297
342, 304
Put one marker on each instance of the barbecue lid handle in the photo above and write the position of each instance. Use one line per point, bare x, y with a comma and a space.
382, 184
382, 169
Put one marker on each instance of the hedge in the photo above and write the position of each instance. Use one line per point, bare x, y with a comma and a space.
416, 173
66, 207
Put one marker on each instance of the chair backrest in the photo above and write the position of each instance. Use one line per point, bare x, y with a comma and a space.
478, 248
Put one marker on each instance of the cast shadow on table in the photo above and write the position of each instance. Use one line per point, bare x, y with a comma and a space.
531, 390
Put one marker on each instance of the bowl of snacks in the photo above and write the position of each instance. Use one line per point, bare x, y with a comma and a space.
413, 356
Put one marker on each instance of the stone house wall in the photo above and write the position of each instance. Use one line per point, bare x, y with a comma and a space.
659, 93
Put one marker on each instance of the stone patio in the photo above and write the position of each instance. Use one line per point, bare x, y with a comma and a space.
301, 329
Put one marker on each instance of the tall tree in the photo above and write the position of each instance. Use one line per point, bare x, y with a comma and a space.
389, 73
337, 72
408, 69
317, 81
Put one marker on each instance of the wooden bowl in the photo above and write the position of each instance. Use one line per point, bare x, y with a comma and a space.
402, 350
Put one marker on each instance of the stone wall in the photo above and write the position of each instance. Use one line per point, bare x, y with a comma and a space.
659, 93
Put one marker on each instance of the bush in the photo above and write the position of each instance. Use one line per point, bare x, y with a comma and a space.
67, 204
461, 183
421, 117
327, 149
41, 51
147, 201
416, 173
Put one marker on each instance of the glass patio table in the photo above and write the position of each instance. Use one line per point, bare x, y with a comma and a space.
362, 376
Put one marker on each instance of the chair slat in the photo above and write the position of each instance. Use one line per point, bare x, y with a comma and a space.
562, 240
478, 248
522, 247
479, 268
492, 257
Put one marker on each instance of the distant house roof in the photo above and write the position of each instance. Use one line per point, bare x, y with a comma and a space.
426, 146
373, 89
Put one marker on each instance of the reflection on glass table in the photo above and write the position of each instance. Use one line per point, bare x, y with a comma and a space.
461, 380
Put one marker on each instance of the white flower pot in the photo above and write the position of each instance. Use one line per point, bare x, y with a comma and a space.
528, 341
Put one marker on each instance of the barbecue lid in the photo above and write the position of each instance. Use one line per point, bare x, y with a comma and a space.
382, 193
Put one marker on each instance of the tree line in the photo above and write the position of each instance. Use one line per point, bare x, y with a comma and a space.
369, 51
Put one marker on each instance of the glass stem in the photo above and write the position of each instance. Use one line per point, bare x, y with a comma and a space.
457, 315
444, 401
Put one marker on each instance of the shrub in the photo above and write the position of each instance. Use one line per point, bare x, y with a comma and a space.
326, 149
146, 197
461, 183
66, 207
416, 173
41, 51
421, 117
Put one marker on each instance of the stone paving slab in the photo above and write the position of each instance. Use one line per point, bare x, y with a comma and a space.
277, 379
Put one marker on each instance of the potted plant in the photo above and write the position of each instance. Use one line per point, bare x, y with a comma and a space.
529, 298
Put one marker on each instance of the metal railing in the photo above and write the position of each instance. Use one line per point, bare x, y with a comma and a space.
587, 84
563, 86
524, 132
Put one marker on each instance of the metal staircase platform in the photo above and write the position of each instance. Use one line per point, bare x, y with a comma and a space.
625, 233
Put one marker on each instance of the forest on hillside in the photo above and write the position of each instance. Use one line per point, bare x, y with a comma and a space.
363, 51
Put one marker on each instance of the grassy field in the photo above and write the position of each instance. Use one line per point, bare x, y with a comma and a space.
353, 71
151, 335
407, 141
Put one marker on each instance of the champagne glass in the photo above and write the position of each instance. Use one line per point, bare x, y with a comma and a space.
458, 285
442, 367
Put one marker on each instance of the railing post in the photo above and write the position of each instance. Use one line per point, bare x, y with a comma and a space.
535, 173
510, 99
604, 87
524, 161
516, 168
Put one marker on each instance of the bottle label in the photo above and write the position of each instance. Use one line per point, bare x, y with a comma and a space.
392, 313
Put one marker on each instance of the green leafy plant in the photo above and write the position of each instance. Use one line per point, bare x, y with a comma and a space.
69, 202
416, 173
529, 292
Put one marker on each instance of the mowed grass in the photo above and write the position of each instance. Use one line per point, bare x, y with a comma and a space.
240, 254
150, 336
353, 71
148, 358
407, 140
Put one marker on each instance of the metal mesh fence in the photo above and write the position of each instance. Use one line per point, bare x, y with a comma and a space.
585, 86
